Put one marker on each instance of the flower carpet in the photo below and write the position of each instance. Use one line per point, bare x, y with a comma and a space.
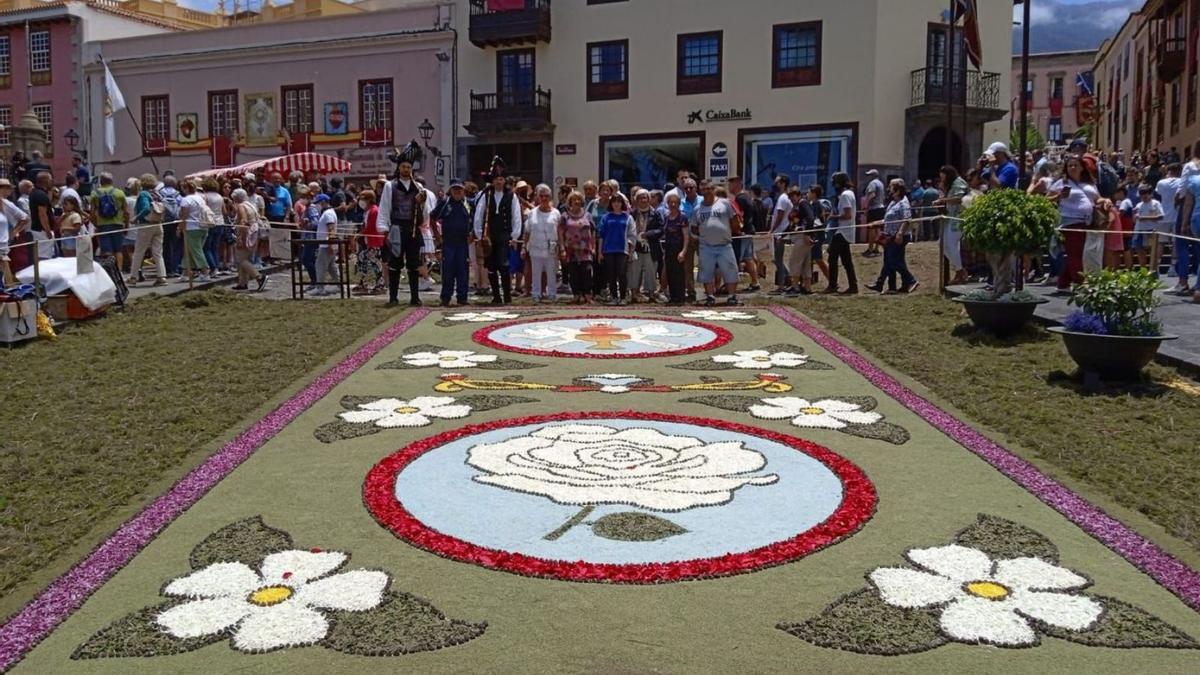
631, 491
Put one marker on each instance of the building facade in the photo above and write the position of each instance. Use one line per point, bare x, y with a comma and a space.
354, 85
1147, 80
1060, 93
567, 90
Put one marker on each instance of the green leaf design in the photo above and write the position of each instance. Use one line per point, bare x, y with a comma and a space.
865, 403
421, 348
352, 402
1125, 626
137, 634
1004, 539
701, 364
863, 623
633, 526
403, 624
481, 402
341, 430
724, 401
246, 541
880, 431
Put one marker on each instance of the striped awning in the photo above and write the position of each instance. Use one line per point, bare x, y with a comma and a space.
304, 162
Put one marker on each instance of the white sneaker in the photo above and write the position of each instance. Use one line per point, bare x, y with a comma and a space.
203, 279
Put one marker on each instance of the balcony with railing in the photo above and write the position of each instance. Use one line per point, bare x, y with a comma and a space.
510, 112
1170, 57
980, 91
497, 23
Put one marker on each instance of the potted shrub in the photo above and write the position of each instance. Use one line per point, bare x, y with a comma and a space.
1114, 333
1004, 224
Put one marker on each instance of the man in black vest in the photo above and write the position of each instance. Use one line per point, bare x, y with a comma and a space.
498, 222
401, 213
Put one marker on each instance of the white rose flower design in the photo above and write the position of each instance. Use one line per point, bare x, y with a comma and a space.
985, 600
761, 359
717, 315
826, 414
586, 464
481, 317
418, 412
448, 358
275, 607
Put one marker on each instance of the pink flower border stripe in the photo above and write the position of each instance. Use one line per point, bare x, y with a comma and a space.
1171, 573
66, 594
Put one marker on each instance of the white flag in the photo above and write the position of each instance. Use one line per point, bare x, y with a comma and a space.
114, 101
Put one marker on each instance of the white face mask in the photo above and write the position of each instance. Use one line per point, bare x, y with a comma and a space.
362, 205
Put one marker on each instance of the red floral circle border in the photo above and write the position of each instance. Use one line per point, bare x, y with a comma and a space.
483, 337
859, 500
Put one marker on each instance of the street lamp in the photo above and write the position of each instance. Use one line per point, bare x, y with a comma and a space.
72, 139
425, 128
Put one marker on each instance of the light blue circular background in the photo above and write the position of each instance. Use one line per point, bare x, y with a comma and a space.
437, 488
697, 336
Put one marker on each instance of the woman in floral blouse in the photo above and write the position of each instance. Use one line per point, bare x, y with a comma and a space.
577, 241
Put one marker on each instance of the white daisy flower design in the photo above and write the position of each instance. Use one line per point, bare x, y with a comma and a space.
418, 412
481, 317
717, 315
826, 414
447, 358
761, 359
985, 600
278, 606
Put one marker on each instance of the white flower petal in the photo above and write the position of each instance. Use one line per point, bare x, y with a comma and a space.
303, 566
224, 579
772, 412
403, 420
754, 353
856, 417
427, 402
383, 404
990, 621
354, 591
818, 422
447, 412
482, 358
203, 617
1072, 612
363, 416
959, 563
1036, 574
286, 625
726, 358
913, 588
421, 356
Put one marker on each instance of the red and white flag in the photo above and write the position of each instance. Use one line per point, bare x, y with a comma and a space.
968, 11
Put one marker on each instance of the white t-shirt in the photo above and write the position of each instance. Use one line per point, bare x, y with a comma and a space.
3, 235
327, 224
843, 226
782, 204
194, 204
542, 227
1190, 169
1146, 208
1167, 188
216, 204
1079, 204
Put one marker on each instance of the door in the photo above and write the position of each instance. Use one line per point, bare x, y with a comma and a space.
937, 63
515, 72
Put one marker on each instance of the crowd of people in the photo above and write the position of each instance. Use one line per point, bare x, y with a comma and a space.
693, 241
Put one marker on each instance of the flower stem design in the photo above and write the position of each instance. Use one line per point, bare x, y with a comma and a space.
571, 522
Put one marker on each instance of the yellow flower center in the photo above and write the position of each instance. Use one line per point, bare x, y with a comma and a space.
270, 595
762, 359
813, 411
987, 589
407, 410
448, 358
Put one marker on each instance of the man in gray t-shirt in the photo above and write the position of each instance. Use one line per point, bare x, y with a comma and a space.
875, 212
716, 222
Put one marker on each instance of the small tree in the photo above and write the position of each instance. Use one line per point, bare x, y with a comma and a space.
1033, 139
1005, 223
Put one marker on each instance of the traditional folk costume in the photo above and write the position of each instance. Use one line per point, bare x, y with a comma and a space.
498, 224
402, 210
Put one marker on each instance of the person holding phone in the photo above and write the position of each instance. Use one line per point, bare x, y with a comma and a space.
1076, 195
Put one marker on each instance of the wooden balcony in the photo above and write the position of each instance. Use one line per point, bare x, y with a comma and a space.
510, 112
1170, 57
499, 23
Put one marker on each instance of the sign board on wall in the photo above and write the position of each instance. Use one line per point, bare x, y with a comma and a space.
369, 161
565, 149
703, 116
718, 167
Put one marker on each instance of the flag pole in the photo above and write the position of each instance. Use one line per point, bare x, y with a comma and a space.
135, 123
952, 19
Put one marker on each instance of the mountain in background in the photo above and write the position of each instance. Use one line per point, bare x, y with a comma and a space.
1058, 26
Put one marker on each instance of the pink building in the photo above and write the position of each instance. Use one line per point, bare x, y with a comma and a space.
41, 64
1060, 95
354, 85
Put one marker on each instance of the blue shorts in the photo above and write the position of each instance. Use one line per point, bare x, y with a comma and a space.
111, 238
515, 264
718, 257
746, 252
1140, 241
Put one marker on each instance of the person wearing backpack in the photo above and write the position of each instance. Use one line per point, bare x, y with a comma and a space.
172, 244
148, 217
110, 216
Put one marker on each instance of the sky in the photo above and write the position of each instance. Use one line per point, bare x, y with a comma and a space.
1060, 25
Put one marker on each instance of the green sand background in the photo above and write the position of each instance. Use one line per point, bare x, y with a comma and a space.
928, 489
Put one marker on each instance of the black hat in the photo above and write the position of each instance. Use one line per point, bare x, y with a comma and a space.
410, 153
497, 168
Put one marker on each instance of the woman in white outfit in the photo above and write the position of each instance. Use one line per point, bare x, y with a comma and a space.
542, 246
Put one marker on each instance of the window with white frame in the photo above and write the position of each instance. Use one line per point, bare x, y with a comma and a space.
223, 114
39, 51
298, 108
156, 118
5, 55
45, 115
5, 125
376, 107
